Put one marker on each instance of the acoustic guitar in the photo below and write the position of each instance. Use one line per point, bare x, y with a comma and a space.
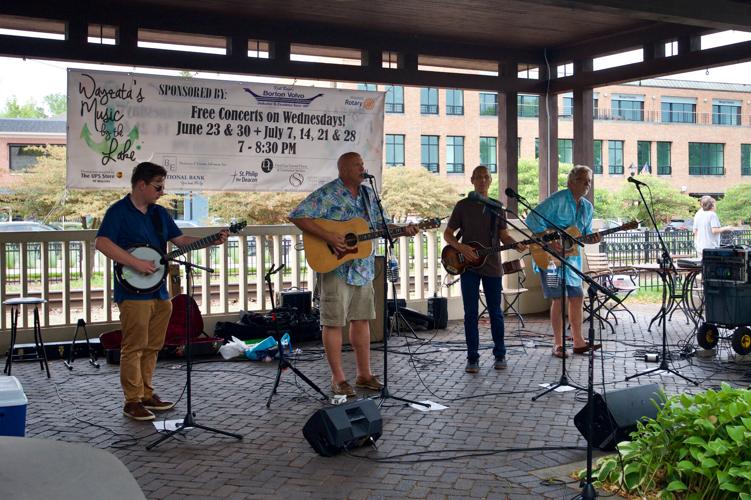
323, 258
455, 263
136, 282
542, 258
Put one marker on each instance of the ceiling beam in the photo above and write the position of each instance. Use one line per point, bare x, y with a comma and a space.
718, 14
708, 58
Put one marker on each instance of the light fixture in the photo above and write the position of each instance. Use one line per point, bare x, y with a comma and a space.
684, 189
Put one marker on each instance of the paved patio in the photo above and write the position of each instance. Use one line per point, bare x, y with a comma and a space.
461, 452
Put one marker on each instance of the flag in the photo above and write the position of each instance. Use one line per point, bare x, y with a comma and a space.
646, 168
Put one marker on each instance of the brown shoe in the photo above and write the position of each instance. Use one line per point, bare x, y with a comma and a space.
559, 353
155, 403
136, 411
371, 383
342, 389
586, 348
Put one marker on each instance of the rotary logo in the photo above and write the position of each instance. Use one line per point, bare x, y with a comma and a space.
368, 103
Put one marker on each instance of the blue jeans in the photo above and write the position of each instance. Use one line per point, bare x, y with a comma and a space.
492, 286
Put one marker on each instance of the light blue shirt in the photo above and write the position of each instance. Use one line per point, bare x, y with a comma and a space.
561, 209
333, 201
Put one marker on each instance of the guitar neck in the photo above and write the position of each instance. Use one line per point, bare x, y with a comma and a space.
590, 238
397, 231
196, 245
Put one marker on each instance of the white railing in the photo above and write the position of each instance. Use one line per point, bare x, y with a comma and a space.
64, 268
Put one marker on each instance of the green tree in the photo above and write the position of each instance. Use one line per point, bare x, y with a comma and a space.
666, 201
28, 110
735, 207
529, 180
254, 208
413, 191
57, 104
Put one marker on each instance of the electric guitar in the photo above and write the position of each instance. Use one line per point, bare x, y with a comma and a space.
455, 263
136, 282
542, 258
323, 258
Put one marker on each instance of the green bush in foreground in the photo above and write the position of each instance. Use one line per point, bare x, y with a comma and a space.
698, 447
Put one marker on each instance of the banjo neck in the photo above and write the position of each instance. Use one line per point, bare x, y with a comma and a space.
196, 245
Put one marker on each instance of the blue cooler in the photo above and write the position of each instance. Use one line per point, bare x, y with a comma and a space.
12, 407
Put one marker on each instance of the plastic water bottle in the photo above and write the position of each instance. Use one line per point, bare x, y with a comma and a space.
551, 277
392, 270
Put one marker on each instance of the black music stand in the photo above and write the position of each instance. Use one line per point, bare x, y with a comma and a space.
395, 318
667, 273
188, 421
283, 362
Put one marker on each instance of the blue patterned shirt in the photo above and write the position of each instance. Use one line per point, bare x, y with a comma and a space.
561, 209
333, 201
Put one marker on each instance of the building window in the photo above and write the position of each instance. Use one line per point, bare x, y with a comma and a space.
726, 114
488, 153
566, 150
644, 157
454, 102
615, 157
529, 105
745, 159
394, 99
568, 107
488, 104
429, 101
367, 86
597, 167
631, 110
24, 156
455, 154
678, 112
537, 148
429, 152
663, 158
394, 150
518, 147
706, 158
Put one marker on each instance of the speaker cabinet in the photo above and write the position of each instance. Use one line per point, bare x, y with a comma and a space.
438, 309
334, 429
301, 299
616, 414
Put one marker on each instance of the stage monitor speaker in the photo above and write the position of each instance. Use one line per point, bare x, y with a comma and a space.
616, 415
300, 299
334, 429
438, 309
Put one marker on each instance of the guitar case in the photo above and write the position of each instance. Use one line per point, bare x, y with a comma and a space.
174, 343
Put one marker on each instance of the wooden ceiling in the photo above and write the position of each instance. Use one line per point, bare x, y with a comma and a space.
534, 32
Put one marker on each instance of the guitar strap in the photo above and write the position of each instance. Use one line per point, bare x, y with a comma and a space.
157, 223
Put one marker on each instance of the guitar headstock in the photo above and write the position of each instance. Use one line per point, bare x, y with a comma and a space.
237, 226
429, 223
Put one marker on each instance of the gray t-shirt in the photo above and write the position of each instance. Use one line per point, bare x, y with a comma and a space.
704, 221
476, 224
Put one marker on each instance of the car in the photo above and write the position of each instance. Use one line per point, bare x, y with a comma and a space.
679, 225
185, 223
24, 225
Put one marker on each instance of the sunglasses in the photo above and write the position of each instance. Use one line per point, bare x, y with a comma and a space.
157, 187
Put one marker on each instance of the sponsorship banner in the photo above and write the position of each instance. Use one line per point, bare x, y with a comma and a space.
216, 135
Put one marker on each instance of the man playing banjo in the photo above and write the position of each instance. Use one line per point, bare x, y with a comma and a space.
132, 221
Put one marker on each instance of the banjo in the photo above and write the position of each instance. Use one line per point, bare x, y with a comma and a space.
136, 282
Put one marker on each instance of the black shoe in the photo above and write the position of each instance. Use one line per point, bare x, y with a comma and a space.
472, 367
500, 363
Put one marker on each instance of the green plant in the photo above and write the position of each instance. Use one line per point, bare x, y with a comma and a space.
696, 448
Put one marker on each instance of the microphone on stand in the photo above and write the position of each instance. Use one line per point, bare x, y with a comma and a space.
632, 180
512, 194
366, 175
474, 195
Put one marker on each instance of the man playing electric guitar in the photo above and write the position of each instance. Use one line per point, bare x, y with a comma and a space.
567, 208
346, 293
137, 219
481, 225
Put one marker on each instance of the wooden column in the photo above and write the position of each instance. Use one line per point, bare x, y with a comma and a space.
584, 151
548, 133
508, 159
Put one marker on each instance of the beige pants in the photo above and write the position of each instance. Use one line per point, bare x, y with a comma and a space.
341, 303
144, 326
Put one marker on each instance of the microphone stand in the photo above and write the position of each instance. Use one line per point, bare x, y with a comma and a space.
188, 421
283, 362
669, 274
385, 394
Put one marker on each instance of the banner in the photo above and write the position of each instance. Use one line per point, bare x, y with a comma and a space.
216, 135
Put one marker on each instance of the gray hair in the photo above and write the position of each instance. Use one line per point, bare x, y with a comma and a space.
707, 202
577, 170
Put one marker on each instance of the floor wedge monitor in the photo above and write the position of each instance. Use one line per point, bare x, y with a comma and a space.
334, 429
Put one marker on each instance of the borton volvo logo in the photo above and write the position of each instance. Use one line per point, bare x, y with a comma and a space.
267, 165
296, 179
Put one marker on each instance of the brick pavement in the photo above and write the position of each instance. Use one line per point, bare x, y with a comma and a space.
491, 410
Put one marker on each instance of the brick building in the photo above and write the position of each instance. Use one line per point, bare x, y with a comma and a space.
16, 135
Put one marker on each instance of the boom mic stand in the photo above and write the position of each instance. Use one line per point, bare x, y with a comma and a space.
668, 273
188, 421
394, 326
283, 362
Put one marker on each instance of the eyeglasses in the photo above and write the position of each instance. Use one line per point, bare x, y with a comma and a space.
157, 187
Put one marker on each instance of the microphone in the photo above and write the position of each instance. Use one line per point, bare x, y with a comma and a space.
366, 175
511, 193
636, 181
474, 195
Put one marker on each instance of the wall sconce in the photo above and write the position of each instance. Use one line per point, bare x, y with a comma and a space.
705, 100
654, 97
684, 189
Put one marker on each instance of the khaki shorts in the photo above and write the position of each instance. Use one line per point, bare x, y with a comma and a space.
341, 302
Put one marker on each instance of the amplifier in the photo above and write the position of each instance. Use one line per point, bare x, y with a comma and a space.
726, 264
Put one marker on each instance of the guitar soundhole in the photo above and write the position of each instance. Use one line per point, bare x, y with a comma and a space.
350, 239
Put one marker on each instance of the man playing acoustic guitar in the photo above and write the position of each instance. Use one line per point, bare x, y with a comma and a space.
347, 291
137, 219
481, 225
567, 208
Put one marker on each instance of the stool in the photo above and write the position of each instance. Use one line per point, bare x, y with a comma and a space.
15, 310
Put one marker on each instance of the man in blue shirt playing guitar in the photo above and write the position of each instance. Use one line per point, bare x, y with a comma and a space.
137, 222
